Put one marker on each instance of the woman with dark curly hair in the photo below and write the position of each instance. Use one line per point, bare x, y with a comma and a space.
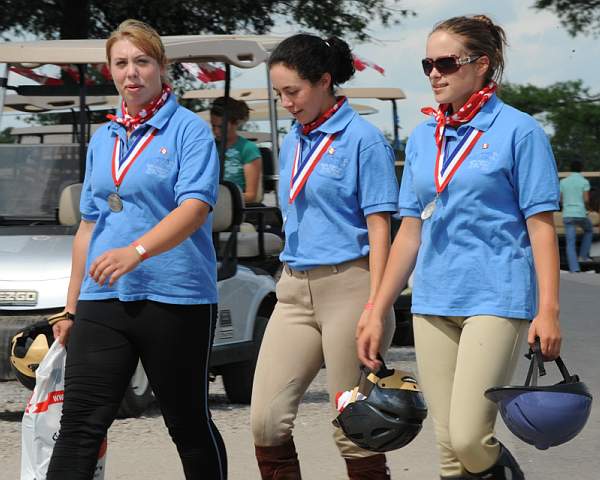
337, 190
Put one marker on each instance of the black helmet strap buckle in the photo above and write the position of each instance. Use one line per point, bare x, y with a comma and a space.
537, 365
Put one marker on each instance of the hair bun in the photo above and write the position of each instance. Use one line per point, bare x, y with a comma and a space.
485, 19
342, 59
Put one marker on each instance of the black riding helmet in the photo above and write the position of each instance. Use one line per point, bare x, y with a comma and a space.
390, 417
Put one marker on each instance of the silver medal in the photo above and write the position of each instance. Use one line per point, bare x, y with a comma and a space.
428, 210
115, 203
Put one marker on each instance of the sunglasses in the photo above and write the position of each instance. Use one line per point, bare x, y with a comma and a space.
446, 65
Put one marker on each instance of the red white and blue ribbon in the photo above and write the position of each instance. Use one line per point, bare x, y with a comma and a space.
302, 168
445, 168
120, 168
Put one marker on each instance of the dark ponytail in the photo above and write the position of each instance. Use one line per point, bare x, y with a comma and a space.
311, 57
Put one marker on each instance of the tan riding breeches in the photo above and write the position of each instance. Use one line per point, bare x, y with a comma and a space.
314, 321
458, 358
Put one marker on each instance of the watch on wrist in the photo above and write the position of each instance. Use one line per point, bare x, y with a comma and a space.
60, 316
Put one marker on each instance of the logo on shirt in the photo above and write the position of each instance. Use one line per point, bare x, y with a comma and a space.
163, 150
485, 146
331, 151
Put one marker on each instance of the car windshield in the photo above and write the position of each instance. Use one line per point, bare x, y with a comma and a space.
32, 177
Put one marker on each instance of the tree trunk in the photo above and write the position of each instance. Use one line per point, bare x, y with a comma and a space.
76, 18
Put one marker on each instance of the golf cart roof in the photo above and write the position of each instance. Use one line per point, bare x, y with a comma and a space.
244, 51
29, 104
61, 134
260, 112
258, 94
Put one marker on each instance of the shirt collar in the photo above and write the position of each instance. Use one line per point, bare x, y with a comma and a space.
336, 123
482, 121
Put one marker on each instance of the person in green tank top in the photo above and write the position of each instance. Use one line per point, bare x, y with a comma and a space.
243, 164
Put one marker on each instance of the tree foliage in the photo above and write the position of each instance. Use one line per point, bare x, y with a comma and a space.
577, 16
570, 111
71, 19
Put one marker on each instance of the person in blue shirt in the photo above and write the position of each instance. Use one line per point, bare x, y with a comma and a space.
337, 189
143, 278
477, 197
575, 195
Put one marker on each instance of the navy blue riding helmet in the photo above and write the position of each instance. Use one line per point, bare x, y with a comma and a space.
544, 416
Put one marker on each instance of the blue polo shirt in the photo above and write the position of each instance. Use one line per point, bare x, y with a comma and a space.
572, 189
181, 162
326, 223
475, 256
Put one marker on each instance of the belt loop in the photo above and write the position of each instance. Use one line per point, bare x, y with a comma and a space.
334, 269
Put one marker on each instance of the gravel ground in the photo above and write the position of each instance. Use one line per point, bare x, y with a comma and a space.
142, 439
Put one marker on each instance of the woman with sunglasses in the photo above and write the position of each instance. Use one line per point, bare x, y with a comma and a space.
337, 190
477, 196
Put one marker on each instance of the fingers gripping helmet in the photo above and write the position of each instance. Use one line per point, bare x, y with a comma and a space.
389, 417
544, 416
28, 348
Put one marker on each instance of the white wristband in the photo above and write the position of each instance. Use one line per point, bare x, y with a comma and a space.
140, 250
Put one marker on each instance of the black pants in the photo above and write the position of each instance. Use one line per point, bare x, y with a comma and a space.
106, 341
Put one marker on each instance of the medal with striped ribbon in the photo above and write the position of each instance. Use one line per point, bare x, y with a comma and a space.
446, 167
120, 169
302, 168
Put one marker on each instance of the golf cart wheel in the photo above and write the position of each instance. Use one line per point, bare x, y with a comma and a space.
138, 396
238, 377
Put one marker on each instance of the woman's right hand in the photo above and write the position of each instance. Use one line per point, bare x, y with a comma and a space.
368, 342
61, 330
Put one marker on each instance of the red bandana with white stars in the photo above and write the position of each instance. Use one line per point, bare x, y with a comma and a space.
464, 115
132, 122
309, 127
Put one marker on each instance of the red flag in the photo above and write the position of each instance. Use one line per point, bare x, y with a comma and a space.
36, 77
205, 72
361, 63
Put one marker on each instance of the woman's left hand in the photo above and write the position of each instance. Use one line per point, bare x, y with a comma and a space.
113, 264
546, 326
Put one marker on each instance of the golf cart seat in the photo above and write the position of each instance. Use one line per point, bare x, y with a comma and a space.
249, 242
68, 205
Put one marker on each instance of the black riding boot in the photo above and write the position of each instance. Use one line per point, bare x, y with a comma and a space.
505, 468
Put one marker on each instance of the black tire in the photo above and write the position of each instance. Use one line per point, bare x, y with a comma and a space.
138, 396
238, 377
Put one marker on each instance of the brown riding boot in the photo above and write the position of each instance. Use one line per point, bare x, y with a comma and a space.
368, 468
279, 462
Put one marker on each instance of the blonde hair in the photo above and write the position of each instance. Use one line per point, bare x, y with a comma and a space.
480, 37
143, 36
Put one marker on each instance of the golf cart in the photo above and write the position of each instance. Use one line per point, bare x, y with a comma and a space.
40, 186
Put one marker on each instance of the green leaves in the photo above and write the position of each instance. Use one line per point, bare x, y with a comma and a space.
577, 16
570, 111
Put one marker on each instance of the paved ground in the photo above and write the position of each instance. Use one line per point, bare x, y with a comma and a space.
140, 448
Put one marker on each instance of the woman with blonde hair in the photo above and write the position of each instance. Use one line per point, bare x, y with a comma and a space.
143, 278
477, 195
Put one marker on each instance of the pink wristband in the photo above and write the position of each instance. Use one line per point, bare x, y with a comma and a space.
369, 306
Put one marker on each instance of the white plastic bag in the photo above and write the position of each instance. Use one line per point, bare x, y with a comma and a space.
41, 420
